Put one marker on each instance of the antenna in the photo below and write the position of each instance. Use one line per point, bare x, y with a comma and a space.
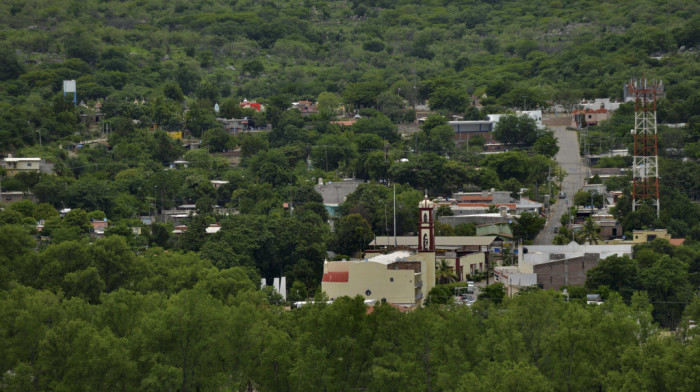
645, 173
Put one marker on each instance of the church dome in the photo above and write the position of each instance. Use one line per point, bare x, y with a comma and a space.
426, 203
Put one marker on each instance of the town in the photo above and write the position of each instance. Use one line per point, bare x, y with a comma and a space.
349, 195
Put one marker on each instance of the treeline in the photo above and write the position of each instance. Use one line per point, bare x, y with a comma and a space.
201, 338
370, 54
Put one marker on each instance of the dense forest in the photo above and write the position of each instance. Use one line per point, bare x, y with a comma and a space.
146, 309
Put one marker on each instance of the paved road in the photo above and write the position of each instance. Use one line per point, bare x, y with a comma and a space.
570, 161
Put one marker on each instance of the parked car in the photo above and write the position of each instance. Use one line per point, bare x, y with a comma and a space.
562, 195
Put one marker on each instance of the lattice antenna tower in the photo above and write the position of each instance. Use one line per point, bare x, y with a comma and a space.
645, 164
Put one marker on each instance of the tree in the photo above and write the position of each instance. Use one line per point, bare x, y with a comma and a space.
379, 125
363, 94
327, 101
494, 292
666, 282
590, 232
443, 210
527, 226
77, 218
567, 98
217, 140
516, 131
444, 273
618, 273
506, 376
465, 229
353, 233
453, 99
195, 235
546, 145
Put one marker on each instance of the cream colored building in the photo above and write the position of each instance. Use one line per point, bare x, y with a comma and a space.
402, 277
14, 166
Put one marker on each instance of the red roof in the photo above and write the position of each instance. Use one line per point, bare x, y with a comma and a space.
677, 241
337, 276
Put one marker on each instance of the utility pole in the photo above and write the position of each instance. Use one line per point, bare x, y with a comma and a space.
395, 215
155, 201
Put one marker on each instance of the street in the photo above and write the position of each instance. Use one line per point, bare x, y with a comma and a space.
570, 161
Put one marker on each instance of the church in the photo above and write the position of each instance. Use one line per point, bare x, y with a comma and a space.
401, 277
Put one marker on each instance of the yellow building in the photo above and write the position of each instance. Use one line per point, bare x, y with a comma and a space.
401, 278
641, 236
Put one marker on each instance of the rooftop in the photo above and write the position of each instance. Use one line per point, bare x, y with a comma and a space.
10, 159
440, 241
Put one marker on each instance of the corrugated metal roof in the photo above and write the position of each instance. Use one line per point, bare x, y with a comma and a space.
440, 241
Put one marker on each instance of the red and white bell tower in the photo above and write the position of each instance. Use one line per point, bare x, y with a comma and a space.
426, 226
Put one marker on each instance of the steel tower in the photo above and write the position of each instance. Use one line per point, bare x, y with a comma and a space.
645, 165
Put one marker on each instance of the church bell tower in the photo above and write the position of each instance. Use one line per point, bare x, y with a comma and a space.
426, 227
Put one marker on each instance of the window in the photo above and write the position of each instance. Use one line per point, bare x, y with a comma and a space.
29, 164
391, 279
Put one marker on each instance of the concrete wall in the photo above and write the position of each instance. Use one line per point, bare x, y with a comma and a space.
567, 272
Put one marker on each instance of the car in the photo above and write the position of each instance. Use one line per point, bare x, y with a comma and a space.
555, 229
562, 195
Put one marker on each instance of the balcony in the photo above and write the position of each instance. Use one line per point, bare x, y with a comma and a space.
419, 296
419, 284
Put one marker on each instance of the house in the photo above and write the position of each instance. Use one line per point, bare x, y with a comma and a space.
642, 236
98, 228
334, 193
593, 159
252, 105
607, 172
305, 107
14, 166
471, 207
585, 117
218, 183
467, 129
609, 226
500, 230
8, 198
554, 266
599, 103
344, 123
234, 126
402, 277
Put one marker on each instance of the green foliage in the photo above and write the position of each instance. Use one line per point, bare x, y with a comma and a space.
527, 226
353, 233
517, 131
494, 293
